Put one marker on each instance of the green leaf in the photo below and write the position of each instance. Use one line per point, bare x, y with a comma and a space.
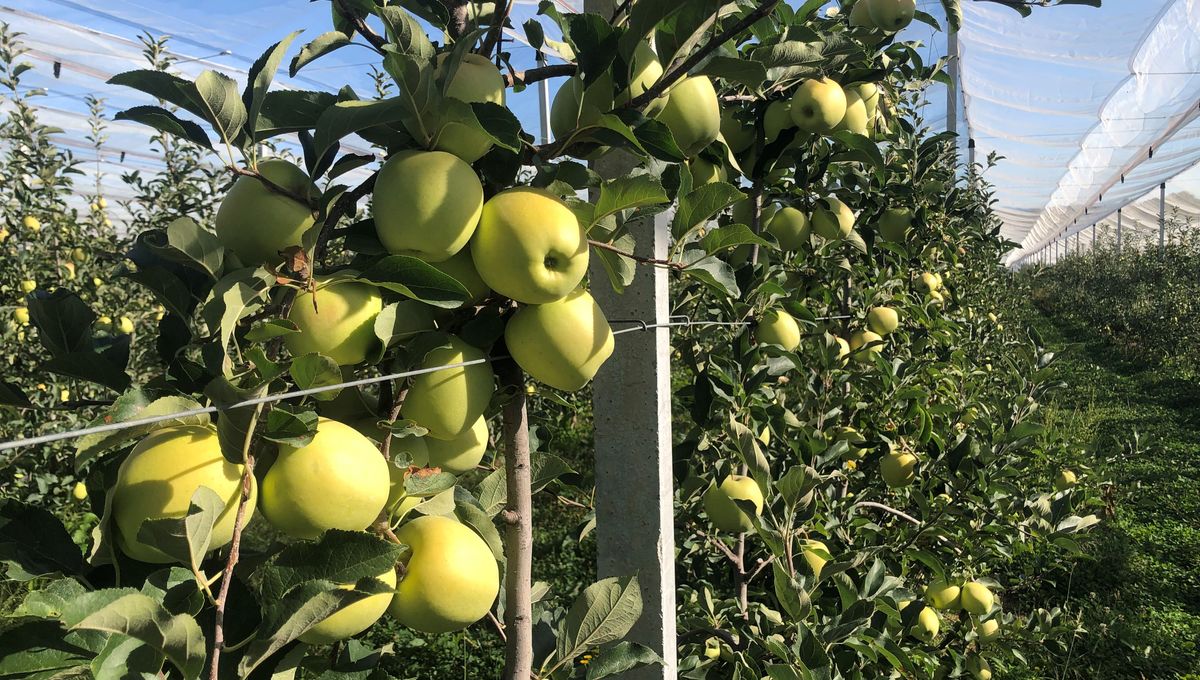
165, 121
624, 193
164, 86
51, 601
317, 370
426, 485
12, 395
124, 657
131, 406
235, 295
199, 247
620, 269
64, 321
185, 539
621, 657
715, 273
319, 47
34, 543
752, 74
92, 367
40, 650
954, 16
259, 78
500, 123
699, 206
732, 236
790, 592
337, 556
286, 111
346, 118
416, 279
233, 424
604, 612
178, 637
274, 327
406, 34
469, 512
419, 98
295, 428
222, 103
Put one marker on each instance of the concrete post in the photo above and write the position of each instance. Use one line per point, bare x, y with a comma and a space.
544, 101
631, 400
1162, 219
1118, 231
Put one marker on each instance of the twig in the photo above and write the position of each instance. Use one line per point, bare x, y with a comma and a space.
657, 89
719, 543
499, 626
881, 506
360, 24
496, 30
762, 564
386, 447
344, 205
458, 17
636, 258
283, 191
518, 520
538, 74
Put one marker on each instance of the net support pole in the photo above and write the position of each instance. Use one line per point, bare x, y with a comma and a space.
544, 101
1162, 219
1118, 231
1094, 227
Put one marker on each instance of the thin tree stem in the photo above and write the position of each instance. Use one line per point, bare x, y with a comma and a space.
636, 258
518, 519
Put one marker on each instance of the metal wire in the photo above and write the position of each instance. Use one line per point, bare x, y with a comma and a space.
674, 321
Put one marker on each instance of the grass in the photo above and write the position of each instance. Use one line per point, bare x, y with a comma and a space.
1137, 592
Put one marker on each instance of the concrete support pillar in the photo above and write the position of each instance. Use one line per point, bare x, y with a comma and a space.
1162, 219
1118, 231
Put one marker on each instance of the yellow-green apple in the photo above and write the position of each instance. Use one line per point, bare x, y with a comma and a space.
927, 625
125, 325
777, 327
28, 286
869, 93
816, 562
704, 172
449, 401
529, 246
104, 323
991, 316
777, 118
355, 617
337, 481
843, 349
892, 15
461, 267
458, 455
724, 512
865, 344
451, 577
790, 227
738, 137
561, 343
79, 492
692, 114
855, 440
1064, 480
818, 105
855, 119
644, 70
740, 211
575, 106
832, 219
160, 476
976, 598
426, 204
256, 222
338, 320
898, 468
942, 594
860, 15
31, 223
3, 234
476, 80
712, 648
935, 298
883, 320
988, 630
929, 282
979, 668
894, 224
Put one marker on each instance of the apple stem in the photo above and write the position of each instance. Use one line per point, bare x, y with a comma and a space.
518, 518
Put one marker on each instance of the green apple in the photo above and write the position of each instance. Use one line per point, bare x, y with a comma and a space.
865, 344
979, 668
644, 71
894, 223
855, 119
79, 492
336, 481
21, 315
892, 15
883, 320
104, 323
943, 595
125, 325
28, 286
458, 455
935, 298
256, 222
354, 618
777, 327
724, 512
991, 316
777, 118
929, 282
159, 477
575, 106
31, 223
692, 114
337, 321
790, 227
476, 80
704, 172
426, 204
449, 401
869, 93
461, 266
927, 625
860, 15
451, 577
1065, 479
898, 469
988, 630
832, 219
740, 211
3, 234
529, 246
712, 648
561, 343
815, 561
976, 598
738, 137
855, 440
818, 105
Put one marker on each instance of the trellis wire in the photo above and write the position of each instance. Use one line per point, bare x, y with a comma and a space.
675, 321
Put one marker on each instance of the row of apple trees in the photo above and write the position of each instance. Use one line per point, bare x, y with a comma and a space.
856, 462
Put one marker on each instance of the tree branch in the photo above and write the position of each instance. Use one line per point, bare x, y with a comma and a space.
533, 75
657, 89
636, 258
360, 24
458, 17
518, 518
496, 30
881, 506
345, 205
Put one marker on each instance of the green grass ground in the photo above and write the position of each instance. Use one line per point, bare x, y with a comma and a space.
1138, 589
